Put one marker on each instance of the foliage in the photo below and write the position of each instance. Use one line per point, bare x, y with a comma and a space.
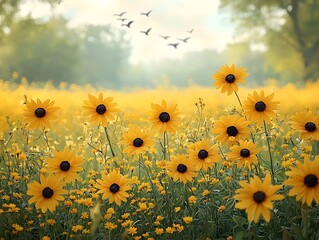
282, 23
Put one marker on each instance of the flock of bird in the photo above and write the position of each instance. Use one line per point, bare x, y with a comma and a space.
128, 23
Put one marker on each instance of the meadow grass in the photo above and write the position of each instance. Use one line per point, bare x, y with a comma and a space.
157, 207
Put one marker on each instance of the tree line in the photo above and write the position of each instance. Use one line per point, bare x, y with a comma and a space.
48, 50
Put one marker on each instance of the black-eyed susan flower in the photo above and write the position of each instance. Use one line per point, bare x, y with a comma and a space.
231, 129
304, 181
65, 165
228, 77
256, 197
114, 187
46, 193
38, 114
164, 117
307, 124
203, 154
245, 153
181, 168
100, 109
137, 141
259, 107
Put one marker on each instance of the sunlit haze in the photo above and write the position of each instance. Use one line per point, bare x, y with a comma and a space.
212, 28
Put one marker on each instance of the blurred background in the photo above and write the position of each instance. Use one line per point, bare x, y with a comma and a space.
121, 44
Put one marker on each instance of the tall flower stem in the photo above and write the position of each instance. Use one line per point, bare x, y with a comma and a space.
269, 151
108, 139
165, 136
251, 135
238, 99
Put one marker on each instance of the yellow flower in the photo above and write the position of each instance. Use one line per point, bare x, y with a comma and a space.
47, 193
187, 220
192, 199
259, 107
110, 225
99, 109
203, 154
231, 129
65, 165
77, 228
169, 230
132, 230
177, 209
307, 124
39, 114
181, 168
245, 152
114, 187
137, 141
304, 181
159, 231
165, 118
256, 197
17, 227
228, 77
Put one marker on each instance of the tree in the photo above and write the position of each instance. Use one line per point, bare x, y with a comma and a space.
9, 10
41, 51
105, 56
292, 22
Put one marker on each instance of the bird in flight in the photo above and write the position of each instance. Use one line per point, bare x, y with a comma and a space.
147, 14
128, 24
122, 19
165, 37
120, 14
146, 32
173, 45
190, 31
184, 40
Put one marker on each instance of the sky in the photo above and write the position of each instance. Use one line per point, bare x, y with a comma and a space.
212, 27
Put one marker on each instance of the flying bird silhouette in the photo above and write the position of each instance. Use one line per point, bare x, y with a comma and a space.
120, 14
128, 24
173, 45
165, 37
122, 19
147, 14
146, 32
190, 31
184, 40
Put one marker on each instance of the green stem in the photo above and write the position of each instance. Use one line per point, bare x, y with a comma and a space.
269, 151
108, 139
314, 149
238, 99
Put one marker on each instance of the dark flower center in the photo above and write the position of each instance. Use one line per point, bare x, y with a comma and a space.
114, 188
245, 152
259, 196
311, 180
230, 78
65, 166
202, 154
232, 131
138, 142
260, 106
164, 117
181, 168
100, 109
310, 127
40, 112
47, 192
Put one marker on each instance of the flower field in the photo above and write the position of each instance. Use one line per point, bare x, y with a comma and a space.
223, 162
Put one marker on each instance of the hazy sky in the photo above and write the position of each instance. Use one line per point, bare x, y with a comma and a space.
212, 28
